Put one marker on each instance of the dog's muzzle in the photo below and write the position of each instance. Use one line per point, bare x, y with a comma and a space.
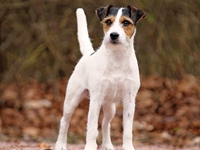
114, 36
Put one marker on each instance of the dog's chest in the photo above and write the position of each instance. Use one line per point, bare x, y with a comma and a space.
114, 79
116, 89
119, 81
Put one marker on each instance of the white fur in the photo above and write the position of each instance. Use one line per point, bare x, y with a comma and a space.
110, 75
83, 37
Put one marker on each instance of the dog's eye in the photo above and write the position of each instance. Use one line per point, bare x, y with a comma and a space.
125, 23
108, 22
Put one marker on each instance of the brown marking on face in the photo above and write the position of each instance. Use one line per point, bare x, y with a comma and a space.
107, 22
129, 28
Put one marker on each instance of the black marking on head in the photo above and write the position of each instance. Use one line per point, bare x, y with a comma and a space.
113, 11
134, 13
130, 11
126, 12
104, 12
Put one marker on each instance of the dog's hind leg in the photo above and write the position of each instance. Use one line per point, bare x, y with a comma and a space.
74, 94
109, 112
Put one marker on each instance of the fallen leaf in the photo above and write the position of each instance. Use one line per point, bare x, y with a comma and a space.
44, 145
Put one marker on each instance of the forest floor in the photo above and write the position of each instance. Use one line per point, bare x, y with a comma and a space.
167, 113
49, 146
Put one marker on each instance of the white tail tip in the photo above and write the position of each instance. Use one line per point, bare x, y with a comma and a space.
79, 11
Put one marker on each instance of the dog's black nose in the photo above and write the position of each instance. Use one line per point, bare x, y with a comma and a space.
114, 35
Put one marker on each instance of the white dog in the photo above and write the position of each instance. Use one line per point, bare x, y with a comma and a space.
107, 76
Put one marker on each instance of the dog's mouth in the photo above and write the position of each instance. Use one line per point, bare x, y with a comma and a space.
114, 41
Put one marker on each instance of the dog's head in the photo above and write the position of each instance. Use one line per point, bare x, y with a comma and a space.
119, 24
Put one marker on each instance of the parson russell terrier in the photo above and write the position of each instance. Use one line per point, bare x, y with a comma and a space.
107, 76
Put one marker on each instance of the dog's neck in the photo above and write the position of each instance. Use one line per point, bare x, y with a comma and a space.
117, 56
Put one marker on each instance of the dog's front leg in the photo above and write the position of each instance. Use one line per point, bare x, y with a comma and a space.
92, 125
128, 114
109, 112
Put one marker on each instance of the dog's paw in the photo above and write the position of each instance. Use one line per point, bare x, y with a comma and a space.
128, 147
90, 146
107, 147
60, 146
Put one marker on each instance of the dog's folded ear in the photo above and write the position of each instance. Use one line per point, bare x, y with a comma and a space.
135, 13
102, 12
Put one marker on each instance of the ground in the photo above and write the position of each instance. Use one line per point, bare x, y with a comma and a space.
167, 113
50, 146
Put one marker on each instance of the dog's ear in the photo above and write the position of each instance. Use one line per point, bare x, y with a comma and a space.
135, 13
102, 12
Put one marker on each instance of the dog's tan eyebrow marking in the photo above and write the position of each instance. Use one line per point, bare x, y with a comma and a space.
126, 18
105, 26
129, 29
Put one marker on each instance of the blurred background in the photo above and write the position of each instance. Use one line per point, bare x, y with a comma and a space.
39, 49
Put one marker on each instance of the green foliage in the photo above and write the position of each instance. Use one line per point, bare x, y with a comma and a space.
38, 37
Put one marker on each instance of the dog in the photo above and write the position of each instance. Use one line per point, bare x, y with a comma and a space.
108, 75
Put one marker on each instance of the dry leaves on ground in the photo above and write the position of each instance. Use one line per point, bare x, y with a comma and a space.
167, 111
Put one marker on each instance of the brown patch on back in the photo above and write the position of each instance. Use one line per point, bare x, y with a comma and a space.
130, 29
105, 26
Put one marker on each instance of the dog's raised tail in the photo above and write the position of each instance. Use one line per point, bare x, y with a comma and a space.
83, 36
